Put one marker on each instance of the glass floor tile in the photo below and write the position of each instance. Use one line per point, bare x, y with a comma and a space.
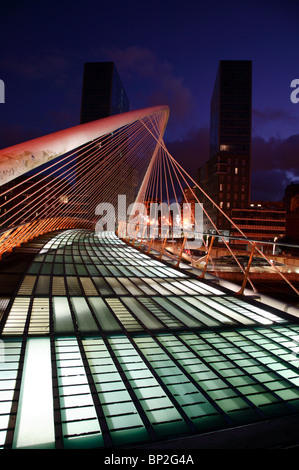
137, 351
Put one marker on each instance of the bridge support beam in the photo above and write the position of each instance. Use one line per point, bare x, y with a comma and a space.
246, 275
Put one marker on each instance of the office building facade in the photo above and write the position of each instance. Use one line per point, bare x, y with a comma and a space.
103, 93
263, 221
226, 175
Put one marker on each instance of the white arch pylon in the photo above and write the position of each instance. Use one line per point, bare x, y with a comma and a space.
21, 158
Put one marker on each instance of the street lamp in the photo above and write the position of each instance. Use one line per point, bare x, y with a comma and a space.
275, 239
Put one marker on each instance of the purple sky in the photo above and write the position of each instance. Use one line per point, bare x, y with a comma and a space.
167, 52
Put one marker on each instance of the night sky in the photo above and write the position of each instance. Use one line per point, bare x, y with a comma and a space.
166, 52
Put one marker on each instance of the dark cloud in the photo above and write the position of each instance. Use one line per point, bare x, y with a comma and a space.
275, 153
274, 161
16, 134
192, 151
47, 65
62, 119
269, 185
272, 114
160, 84
274, 166
275, 122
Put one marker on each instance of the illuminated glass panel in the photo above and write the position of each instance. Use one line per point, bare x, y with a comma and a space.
206, 287
10, 351
4, 301
46, 268
123, 314
102, 286
27, 285
116, 286
162, 314
221, 307
161, 412
177, 312
124, 422
84, 318
196, 301
39, 319
256, 313
73, 285
35, 417
43, 285
88, 286
145, 317
58, 287
170, 286
143, 286
130, 286
80, 425
63, 322
103, 314
195, 405
156, 286
17, 317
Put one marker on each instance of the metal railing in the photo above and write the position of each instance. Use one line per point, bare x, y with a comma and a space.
143, 236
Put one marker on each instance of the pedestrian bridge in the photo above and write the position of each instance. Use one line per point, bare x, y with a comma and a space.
107, 344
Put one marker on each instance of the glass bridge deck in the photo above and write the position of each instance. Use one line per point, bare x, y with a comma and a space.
103, 346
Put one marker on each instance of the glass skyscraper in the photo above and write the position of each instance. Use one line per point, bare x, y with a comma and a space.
226, 175
230, 118
103, 93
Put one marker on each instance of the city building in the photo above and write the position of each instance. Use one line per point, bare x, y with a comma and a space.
263, 220
225, 177
291, 203
103, 93
291, 196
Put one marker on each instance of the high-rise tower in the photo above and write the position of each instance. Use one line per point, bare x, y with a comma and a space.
103, 93
226, 175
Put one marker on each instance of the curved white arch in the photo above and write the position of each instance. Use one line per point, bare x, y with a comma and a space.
21, 158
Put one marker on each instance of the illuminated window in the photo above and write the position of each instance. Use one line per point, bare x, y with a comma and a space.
224, 148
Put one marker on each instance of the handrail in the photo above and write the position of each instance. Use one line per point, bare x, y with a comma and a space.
184, 234
211, 234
